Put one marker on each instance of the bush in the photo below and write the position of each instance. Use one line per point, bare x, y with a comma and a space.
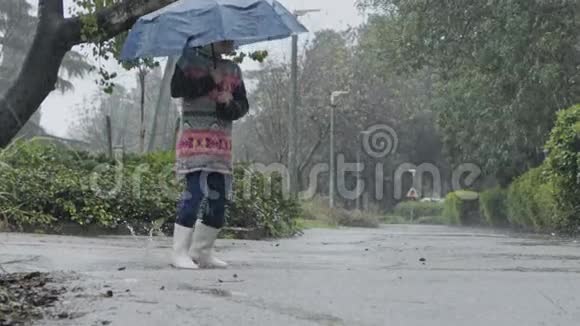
48, 185
412, 210
531, 202
317, 209
563, 168
462, 207
493, 204
260, 202
109, 198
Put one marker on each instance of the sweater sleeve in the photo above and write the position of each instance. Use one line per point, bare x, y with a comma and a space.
190, 85
237, 108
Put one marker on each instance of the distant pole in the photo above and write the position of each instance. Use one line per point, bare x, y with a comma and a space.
332, 172
109, 130
292, 120
331, 186
293, 112
358, 175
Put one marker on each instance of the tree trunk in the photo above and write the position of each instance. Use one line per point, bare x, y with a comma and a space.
163, 101
142, 80
126, 114
55, 36
109, 131
38, 75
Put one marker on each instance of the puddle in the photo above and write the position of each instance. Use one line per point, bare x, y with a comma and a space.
514, 269
145, 301
532, 257
207, 291
131, 280
546, 243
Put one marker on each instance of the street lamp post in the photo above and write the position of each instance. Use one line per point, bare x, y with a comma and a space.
292, 120
333, 104
413, 172
358, 179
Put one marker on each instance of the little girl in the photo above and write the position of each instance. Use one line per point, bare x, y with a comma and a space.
214, 96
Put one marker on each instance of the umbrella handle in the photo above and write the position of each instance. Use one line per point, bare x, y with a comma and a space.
213, 56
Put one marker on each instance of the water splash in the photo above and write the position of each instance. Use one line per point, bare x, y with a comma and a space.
132, 230
155, 230
149, 241
136, 238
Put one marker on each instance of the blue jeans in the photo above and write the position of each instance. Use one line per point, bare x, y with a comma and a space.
205, 197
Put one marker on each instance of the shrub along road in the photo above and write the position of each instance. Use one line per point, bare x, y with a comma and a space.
395, 275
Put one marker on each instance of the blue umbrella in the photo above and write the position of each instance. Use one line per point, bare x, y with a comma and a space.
195, 23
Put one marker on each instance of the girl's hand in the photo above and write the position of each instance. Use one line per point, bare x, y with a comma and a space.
216, 75
225, 97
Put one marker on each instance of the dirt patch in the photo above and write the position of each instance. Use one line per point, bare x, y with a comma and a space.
26, 296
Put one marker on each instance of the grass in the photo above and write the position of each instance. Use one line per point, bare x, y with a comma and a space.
433, 220
318, 214
357, 219
424, 220
315, 224
394, 219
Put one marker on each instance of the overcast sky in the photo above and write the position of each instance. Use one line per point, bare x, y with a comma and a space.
60, 110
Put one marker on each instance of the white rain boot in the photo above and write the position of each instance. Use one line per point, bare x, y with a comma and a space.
181, 242
202, 249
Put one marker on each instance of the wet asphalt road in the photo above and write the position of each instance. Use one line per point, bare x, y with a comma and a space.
395, 275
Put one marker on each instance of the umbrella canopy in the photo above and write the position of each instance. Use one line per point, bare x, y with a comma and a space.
194, 23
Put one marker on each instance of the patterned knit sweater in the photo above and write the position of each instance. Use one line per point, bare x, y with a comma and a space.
205, 135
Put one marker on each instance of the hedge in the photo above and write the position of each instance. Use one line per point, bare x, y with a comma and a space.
531, 201
46, 186
563, 169
493, 205
462, 207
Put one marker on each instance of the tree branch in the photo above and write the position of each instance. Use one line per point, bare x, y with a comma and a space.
314, 148
262, 139
113, 20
